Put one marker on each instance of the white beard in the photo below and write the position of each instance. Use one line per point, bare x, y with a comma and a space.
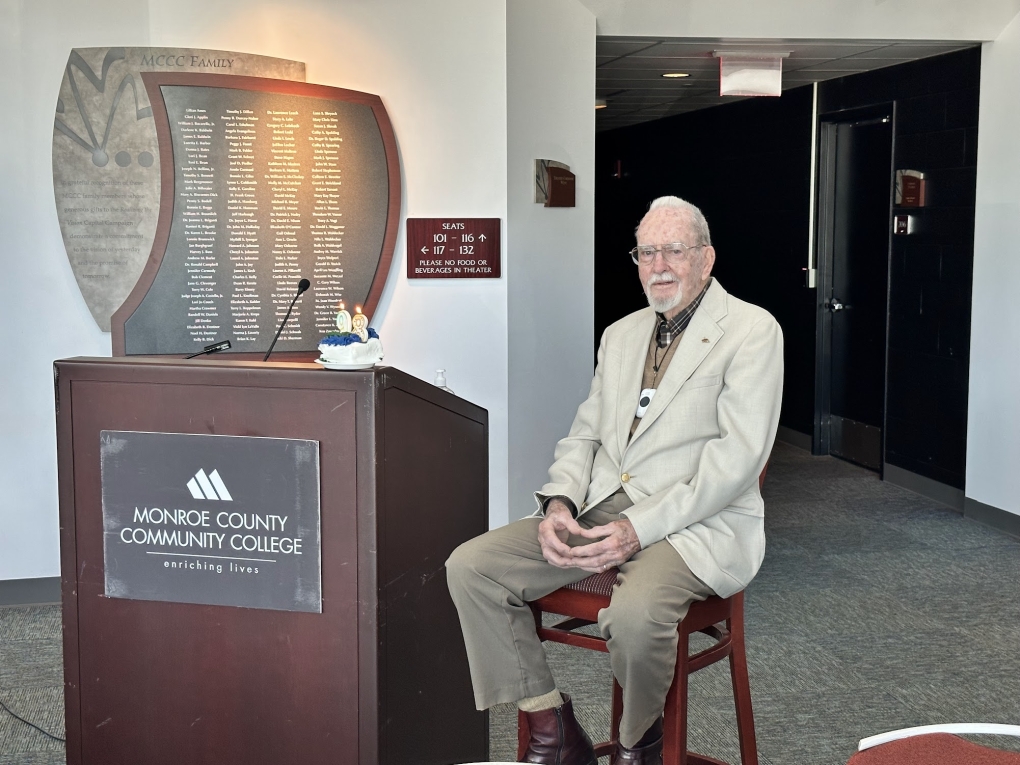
662, 305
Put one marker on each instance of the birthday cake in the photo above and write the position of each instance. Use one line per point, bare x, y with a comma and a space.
354, 345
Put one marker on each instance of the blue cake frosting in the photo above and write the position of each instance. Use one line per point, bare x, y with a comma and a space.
346, 338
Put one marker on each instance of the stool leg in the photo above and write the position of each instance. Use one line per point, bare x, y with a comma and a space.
523, 734
741, 685
615, 714
674, 724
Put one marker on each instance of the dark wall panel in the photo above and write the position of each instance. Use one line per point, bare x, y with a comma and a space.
930, 273
746, 165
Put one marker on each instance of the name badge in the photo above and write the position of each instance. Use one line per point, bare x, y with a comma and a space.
643, 401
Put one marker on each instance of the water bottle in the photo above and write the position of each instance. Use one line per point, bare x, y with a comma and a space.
441, 380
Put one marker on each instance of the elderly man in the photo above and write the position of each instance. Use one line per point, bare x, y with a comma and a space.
658, 476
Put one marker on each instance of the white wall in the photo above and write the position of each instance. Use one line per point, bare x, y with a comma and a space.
993, 424
42, 314
439, 67
550, 263
475, 91
839, 19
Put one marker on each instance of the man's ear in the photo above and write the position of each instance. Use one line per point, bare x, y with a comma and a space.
708, 260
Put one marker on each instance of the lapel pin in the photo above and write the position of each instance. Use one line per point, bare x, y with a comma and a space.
704, 339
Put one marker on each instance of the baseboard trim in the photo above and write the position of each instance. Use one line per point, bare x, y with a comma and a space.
25, 592
794, 438
926, 487
988, 515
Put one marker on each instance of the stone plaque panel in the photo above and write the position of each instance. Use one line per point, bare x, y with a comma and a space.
106, 170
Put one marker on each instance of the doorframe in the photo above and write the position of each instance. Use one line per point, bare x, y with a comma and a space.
825, 181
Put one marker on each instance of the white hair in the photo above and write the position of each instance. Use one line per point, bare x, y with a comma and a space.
684, 209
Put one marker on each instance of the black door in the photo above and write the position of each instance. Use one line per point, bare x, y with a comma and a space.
853, 288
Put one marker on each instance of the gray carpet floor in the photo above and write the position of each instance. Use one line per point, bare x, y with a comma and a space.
875, 609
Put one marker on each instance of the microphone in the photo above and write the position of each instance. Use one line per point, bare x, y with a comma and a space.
301, 287
222, 345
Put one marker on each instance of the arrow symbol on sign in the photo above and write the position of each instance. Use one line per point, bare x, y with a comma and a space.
481, 237
424, 250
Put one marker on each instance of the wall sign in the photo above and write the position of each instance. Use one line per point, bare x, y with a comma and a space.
217, 520
106, 170
264, 182
453, 248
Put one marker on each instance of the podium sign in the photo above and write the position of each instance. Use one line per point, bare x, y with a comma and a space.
215, 520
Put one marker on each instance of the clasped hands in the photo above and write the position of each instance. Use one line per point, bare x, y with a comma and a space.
617, 541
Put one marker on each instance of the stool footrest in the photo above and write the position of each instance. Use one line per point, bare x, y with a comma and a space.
569, 625
577, 639
605, 749
710, 656
701, 759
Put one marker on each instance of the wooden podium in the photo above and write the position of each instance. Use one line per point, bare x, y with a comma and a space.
379, 676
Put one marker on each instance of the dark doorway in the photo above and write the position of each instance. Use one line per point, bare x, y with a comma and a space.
855, 204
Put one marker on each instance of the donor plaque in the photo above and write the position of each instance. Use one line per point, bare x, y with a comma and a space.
213, 520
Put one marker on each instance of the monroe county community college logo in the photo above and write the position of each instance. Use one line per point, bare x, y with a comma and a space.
210, 486
173, 531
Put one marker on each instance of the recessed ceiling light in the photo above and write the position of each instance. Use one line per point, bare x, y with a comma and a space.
600, 103
674, 75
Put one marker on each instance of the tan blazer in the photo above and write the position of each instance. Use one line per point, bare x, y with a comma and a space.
692, 466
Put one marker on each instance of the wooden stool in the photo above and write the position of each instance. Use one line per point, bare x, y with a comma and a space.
720, 618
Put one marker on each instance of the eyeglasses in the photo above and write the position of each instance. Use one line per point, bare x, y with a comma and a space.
674, 253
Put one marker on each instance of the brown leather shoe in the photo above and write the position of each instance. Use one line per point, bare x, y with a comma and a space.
557, 738
647, 751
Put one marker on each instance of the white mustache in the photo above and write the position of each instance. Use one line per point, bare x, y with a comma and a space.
662, 279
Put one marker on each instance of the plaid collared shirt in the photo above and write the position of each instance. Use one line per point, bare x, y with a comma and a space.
670, 328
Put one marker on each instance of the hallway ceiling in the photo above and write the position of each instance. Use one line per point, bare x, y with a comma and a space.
628, 70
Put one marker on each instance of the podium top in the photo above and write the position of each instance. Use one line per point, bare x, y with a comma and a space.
252, 373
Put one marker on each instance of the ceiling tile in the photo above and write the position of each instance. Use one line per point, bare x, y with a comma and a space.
845, 65
678, 49
663, 64
793, 64
908, 52
831, 49
604, 48
629, 70
650, 74
816, 76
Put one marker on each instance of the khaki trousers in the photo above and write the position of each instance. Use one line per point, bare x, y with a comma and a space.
492, 576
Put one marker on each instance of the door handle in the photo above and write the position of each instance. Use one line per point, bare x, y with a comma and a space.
835, 305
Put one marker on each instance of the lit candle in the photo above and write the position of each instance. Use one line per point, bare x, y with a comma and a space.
343, 319
359, 324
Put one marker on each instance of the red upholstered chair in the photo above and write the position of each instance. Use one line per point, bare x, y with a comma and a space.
722, 619
935, 745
